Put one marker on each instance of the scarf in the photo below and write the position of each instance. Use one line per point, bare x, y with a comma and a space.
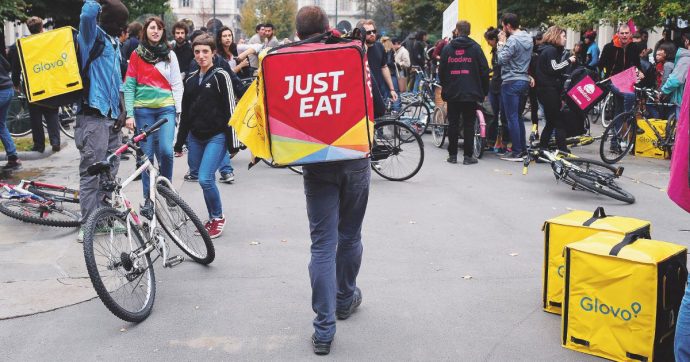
153, 53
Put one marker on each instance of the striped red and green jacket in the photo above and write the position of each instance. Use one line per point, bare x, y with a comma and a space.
145, 86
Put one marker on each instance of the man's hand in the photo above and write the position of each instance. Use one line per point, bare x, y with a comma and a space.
129, 123
394, 96
502, 37
572, 59
640, 75
532, 83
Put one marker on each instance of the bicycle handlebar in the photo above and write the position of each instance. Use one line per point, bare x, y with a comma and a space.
153, 128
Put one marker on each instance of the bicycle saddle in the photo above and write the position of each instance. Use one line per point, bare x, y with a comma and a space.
98, 168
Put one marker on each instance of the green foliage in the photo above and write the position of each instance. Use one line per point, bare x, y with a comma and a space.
645, 13
413, 15
382, 12
537, 13
137, 8
12, 10
280, 13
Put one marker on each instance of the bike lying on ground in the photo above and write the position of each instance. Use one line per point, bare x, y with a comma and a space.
40, 203
580, 173
118, 243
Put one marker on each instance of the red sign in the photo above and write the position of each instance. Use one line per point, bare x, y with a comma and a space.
585, 93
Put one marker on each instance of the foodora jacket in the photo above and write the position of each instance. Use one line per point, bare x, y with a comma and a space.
464, 71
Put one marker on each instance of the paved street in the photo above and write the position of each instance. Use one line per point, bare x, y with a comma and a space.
451, 270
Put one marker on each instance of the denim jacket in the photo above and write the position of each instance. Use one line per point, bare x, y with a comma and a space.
104, 73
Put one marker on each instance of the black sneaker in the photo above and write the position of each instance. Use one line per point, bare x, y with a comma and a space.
13, 164
469, 160
356, 301
321, 348
191, 178
452, 159
227, 178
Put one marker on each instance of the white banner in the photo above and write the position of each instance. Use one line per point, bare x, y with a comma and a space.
450, 17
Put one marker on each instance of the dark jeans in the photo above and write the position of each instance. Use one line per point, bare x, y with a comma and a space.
623, 102
534, 104
337, 196
551, 100
512, 96
499, 123
468, 110
36, 114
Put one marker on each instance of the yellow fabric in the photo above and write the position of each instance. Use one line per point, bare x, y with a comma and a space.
288, 150
565, 229
645, 138
49, 64
481, 14
352, 139
612, 300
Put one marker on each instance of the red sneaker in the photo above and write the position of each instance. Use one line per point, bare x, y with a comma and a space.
215, 227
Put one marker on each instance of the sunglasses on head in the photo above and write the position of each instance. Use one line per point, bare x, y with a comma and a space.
369, 32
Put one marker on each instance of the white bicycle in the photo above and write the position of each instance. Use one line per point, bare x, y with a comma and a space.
118, 243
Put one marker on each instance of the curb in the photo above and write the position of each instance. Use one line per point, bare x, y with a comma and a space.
33, 155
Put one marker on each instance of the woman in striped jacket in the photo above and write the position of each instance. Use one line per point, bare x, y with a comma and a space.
153, 91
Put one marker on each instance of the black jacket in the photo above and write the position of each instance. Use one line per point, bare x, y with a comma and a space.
496, 80
418, 54
184, 55
550, 68
206, 107
615, 59
5, 69
464, 71
218, 61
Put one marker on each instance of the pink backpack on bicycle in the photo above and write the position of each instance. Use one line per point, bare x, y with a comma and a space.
679, 183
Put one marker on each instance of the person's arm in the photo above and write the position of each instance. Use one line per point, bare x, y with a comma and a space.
668, 69
129, 88
226, 95
603, 59
176, 82
15, 66
183, 129
405, 58
88, 26
671, 84
389, 82
484, 71
506, 51
554, 66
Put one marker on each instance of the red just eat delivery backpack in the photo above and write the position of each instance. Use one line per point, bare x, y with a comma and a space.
318, 101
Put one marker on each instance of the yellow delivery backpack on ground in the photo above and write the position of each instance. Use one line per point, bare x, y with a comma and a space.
622, 297
645, 138
49, 65
575, 226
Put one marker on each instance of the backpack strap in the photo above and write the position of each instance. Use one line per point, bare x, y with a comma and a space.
599, 213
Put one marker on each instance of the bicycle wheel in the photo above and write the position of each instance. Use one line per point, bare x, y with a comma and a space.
393, 156
417, 116
599, 178
124, 281
181, 224
67, 117
438, 127
607, 109
41, 213
618, 138
479, 141
55, 193
18, 120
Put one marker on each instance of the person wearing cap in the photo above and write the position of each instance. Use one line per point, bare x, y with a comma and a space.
592, 49
95, 132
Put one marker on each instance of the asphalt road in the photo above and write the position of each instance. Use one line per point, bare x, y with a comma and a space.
451, 271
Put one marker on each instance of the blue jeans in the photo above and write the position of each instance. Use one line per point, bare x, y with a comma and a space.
513, 94
682, 340
397, 105
337, 196
159, 143
5, 100
206, 156
225, 167
417, 79
623, 102
494, 129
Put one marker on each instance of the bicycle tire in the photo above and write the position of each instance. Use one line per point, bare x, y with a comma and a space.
67, 118
598, 179
117, 264
37, 213
438, 127
18, 121
295, 169
610, 149
479, 141
607, 109
389, 143
170, 203
417, 116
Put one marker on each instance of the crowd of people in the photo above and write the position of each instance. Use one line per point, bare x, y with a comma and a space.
193, 81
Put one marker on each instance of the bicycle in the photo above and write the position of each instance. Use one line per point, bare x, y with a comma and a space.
397, 152
620, 135
439, 130
118, 243
19, 122
40, 203
580, 173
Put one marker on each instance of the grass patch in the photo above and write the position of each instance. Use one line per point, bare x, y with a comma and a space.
23, 144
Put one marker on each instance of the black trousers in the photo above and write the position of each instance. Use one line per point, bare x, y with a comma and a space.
551, 101
36, 114
468, 110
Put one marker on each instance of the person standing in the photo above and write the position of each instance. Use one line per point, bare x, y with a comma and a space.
207, 105
6, 94
269, 36
133, 32
675, 83
418, 58
498, 128
227, 49
182, 47
392, 69
549, 84
95, 133
153, 91
617, 56
402, 64
378, 66
514, 56
592, 49
464, 74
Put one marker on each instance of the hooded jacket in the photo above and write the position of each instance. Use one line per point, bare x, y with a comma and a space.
550, 68
463, 71
514, 57
615, 58
676, 80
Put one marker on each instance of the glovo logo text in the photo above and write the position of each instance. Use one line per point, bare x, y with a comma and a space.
599, 307
44, 67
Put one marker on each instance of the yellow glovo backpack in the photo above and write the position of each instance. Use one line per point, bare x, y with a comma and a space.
571, 227
622, 296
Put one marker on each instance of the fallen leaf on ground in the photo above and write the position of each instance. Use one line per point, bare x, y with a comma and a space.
467, 277
513, 254
254, 243
283, 241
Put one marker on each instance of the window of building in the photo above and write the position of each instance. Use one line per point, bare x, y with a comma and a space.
185, 3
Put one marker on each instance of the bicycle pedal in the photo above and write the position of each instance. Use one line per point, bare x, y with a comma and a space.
174, 261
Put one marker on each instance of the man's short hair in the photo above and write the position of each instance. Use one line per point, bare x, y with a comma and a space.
181, 25
195, 34
463, 28
420, 35
35, 24
396, 40
622, 26
669, 50
258, 27
134, 29
511, 19
311, 20
269, 25
369, 22
204, 39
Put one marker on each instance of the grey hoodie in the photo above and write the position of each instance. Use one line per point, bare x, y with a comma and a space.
514, 57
